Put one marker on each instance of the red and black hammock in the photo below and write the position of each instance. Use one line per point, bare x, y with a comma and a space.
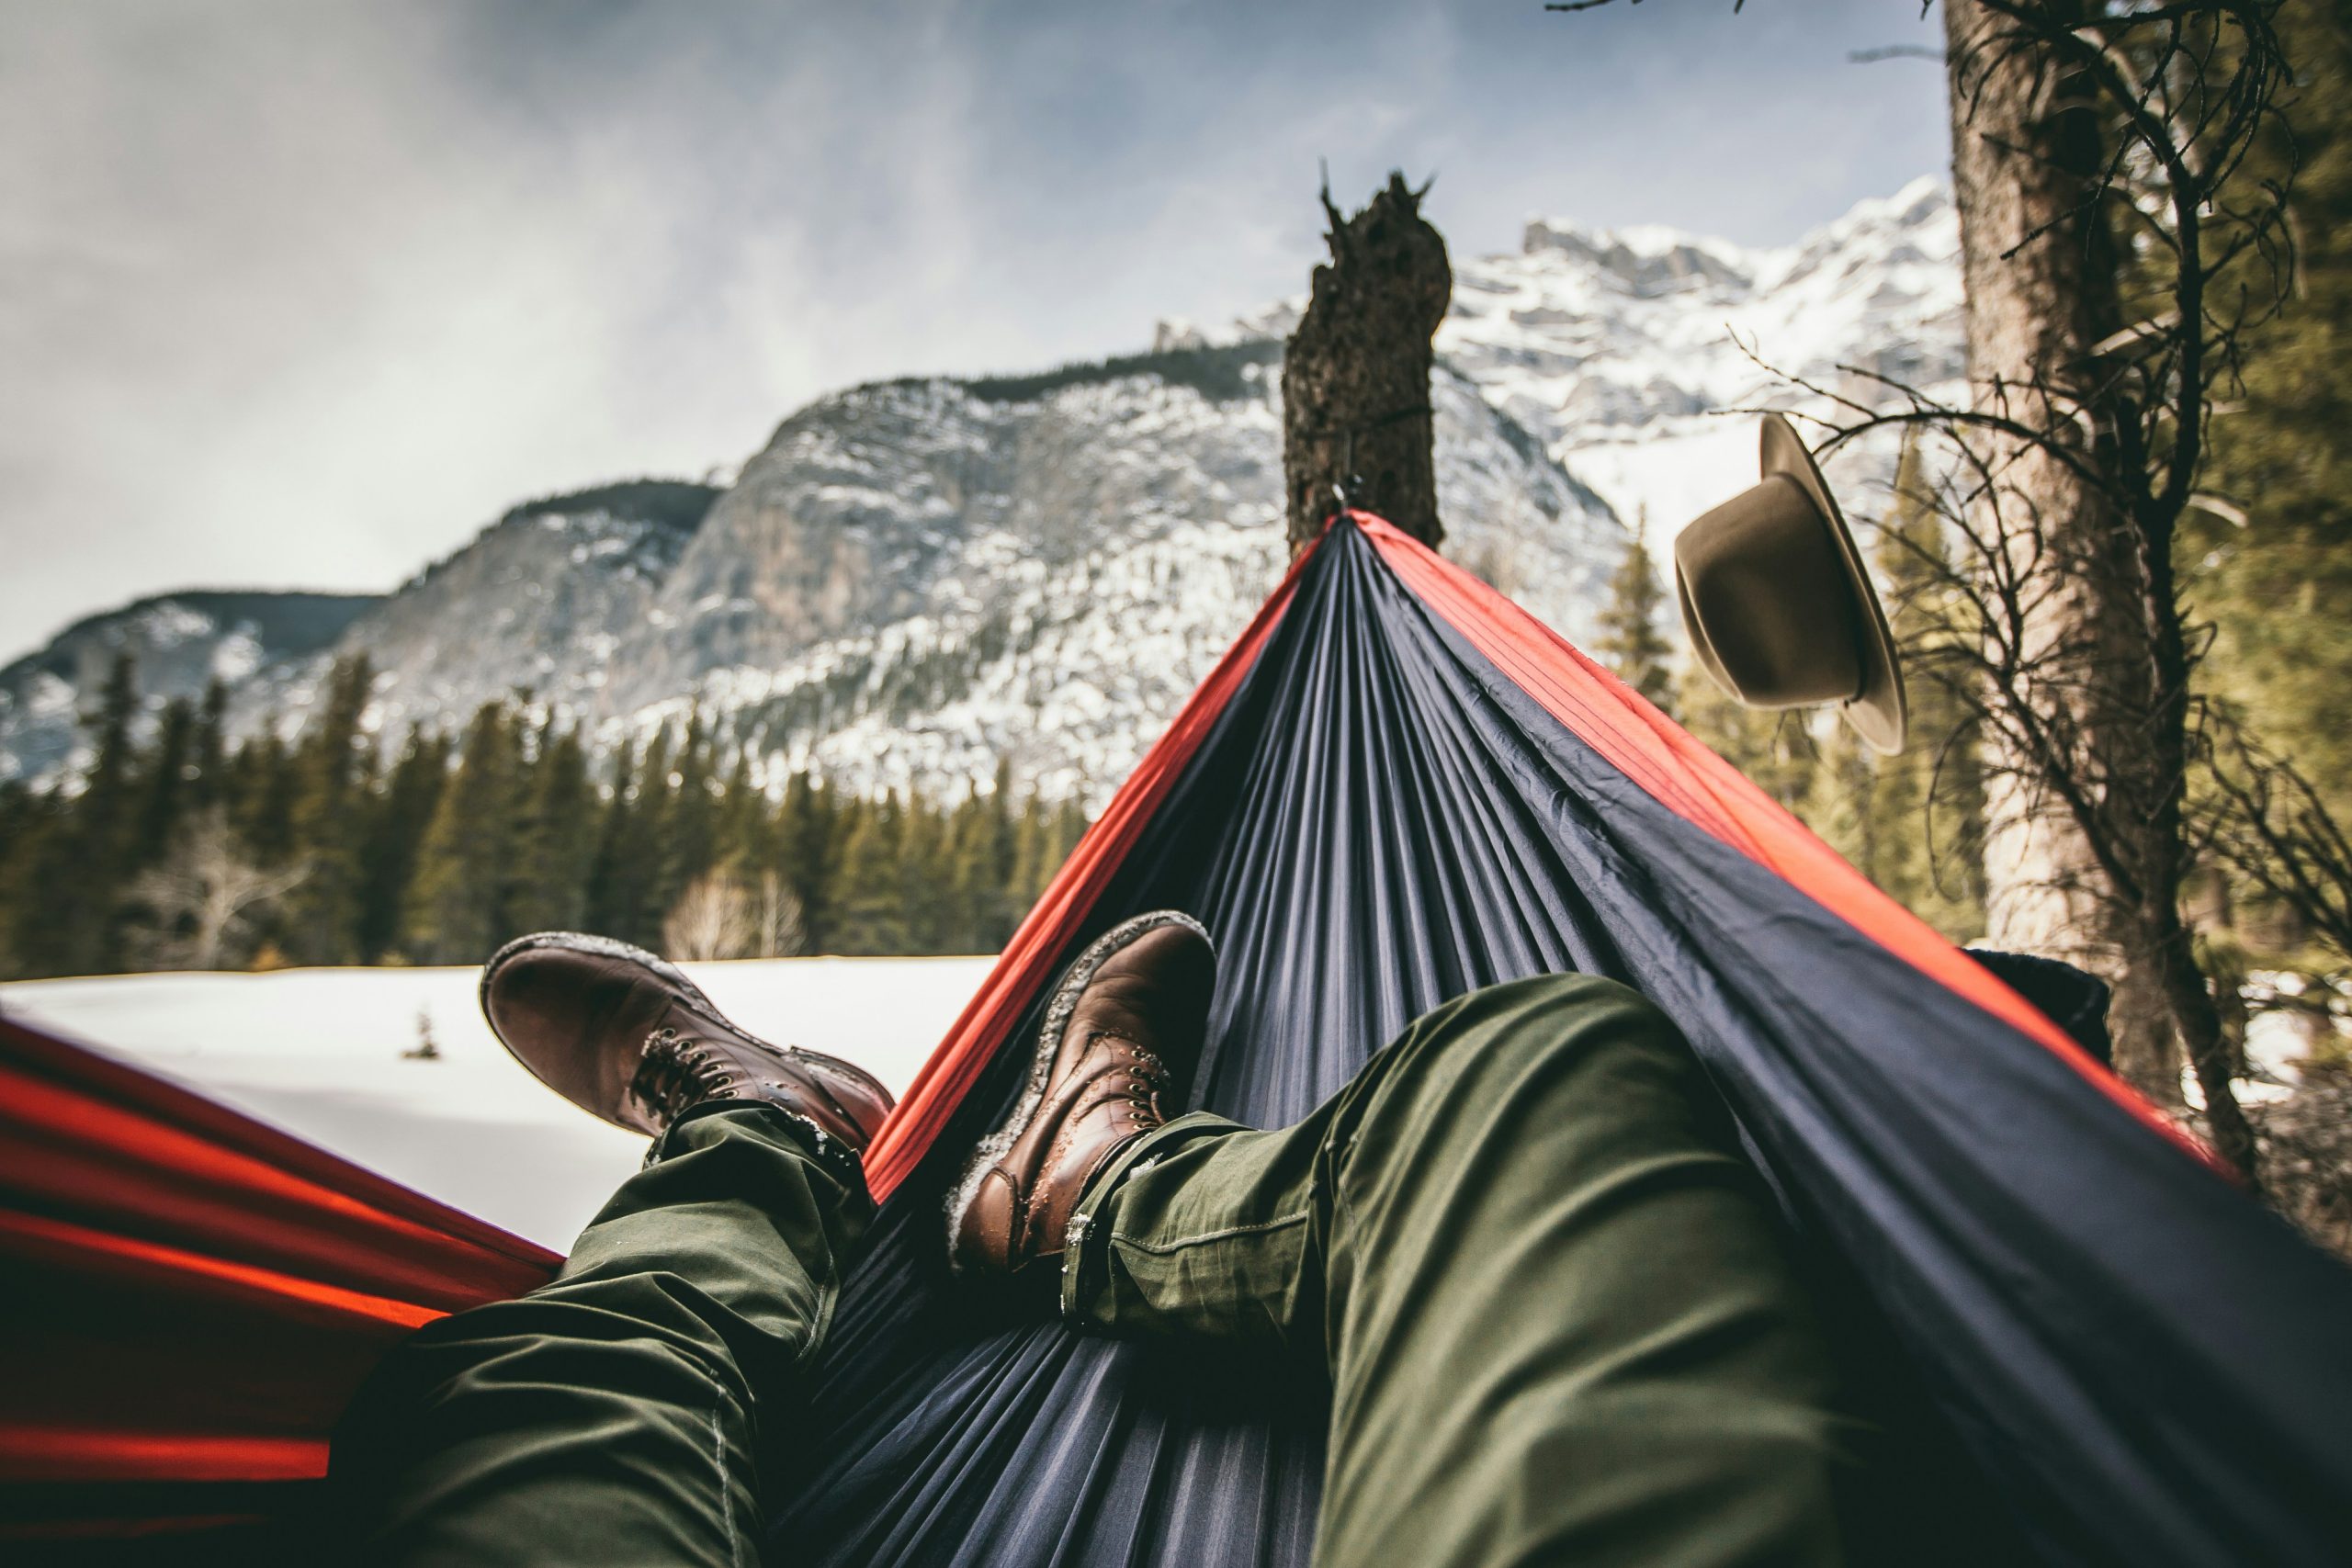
2086, 1346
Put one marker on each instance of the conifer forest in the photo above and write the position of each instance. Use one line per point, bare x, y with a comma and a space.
187, 851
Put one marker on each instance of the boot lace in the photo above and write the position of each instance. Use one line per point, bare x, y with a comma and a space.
676, 1072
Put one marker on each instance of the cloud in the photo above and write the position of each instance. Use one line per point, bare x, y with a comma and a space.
306, 292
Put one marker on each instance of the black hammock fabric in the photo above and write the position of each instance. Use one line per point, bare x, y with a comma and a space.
2085, 1346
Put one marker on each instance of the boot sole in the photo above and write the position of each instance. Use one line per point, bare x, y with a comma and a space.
1074, 981
612, 947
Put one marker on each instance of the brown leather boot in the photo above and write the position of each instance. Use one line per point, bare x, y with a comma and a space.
1122, 1032
621, 1033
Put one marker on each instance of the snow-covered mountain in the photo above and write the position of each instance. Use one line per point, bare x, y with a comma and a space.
916, 578
1623, 348
182, 642
537, 603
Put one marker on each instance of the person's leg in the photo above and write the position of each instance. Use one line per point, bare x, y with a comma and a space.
1560, 1317
618, 1413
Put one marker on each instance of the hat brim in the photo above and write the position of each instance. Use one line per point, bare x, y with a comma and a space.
1878, 712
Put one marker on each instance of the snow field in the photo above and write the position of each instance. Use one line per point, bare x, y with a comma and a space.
319, 1053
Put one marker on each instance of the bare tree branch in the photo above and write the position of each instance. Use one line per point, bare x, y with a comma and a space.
2113, 224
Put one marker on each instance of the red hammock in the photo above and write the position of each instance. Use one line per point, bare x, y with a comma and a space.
193, 1296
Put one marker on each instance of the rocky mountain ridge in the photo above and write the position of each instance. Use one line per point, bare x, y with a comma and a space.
915, 577
1624, 349
181, 643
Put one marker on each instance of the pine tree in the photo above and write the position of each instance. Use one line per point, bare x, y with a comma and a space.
259, 790
460, 901
1071, 823
1775, 749
745, 843
688, 827
209, 750
166, 776
21, 816
451, 848
85, 891
980, 868
1842, 799
32, 824
926, 897
808, 837
643, 871
66, 864
556, 834
396, 831
1630, 641
1043, 837
332, 769
1928, 800
614, 893
866, 895
2278, 585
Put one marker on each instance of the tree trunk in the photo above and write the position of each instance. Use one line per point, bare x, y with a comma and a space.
2086, 853
2026, 157
1356, 373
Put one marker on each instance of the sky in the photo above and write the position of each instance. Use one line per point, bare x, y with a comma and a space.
303, 293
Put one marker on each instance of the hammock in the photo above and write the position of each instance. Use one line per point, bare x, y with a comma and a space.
2084, 1345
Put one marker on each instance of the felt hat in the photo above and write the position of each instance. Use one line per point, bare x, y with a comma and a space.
1779, 605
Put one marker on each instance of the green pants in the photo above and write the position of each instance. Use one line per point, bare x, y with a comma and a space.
615, 1415
1556, 1307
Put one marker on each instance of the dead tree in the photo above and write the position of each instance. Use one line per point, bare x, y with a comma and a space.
206, 894
1356, 373
2271, 826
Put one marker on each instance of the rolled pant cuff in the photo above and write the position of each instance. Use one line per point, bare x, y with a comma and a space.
834, 1157
1086, 1251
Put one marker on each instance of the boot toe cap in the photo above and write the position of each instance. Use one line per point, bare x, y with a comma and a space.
555, 1010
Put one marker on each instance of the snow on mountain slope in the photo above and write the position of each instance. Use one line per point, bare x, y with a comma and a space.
916, 578
1624, 349
181, 642
537, 603
318, 1052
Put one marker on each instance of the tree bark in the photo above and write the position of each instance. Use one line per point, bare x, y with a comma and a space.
2085, 850
1356, 373
2026, 156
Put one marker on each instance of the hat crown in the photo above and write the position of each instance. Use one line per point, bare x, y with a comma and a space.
1768, 586
1778, 602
